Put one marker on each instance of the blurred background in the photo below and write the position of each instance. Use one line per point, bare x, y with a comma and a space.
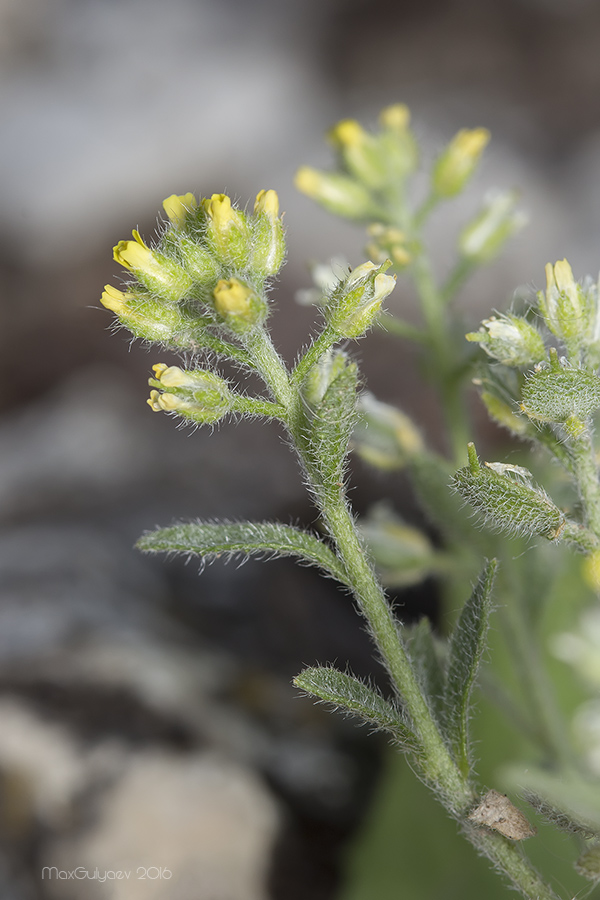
147, 720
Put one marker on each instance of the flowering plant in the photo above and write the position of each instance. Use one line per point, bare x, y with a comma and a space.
203, 289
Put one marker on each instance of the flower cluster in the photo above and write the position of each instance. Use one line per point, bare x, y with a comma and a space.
205, 275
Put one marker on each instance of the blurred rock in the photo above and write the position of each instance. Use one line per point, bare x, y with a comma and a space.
184, 828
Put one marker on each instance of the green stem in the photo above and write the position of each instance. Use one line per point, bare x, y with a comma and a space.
443, 364
509, 859
439, 767
586, 476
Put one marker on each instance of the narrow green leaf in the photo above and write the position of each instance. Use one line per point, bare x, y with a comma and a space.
329, 425
271, 539
354, 696
426, 661
466, 648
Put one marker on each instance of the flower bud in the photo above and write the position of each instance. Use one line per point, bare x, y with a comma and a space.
483, 238
145, 316
198, 395
322, 375
358, 302
178, 207
398, 141
385, 437
458, 161
403, 555
153, 269
268, 242
238, 306
570, 312
227, 230
360, 153
511, 340
339, 194
388, 243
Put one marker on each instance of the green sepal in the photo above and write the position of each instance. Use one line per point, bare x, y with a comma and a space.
550, 396
353, 696
467, 644
508, 500
270, 539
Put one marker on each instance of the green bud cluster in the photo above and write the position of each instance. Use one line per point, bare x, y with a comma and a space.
205, 274
482, 239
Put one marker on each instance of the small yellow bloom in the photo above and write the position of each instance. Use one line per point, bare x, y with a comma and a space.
267, 202
133, 254
232, 297
560, 275
172, 376
177, 207
153, 403
219, 209
459, 160
114, 299
158, 369
348, 133
395, 117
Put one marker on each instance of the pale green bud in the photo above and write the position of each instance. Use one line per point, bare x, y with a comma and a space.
198, 395
398, 141
322, 374
511, 340
145, 316
339, 194
198, 261
483, 238
268, 242
507, 499
153, 269
385, 437
361, 153
387, 242
570, 312
505, 415
458, 161
403, 554
238, 306
356, 303
227, 230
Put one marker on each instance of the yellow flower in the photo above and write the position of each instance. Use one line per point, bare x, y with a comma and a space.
238, 305
114, 299
395, 117
177, 207
267, 202
227, 230
458, 161
340, 194
348, 133
133, 254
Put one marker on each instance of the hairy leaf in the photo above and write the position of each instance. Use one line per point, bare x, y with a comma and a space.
427, 664
466, 648
354, 696
212, 539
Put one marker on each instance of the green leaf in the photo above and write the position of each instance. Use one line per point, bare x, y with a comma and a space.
555, 396
354, 696
426, 661
271, 539
329, 424
466, 648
